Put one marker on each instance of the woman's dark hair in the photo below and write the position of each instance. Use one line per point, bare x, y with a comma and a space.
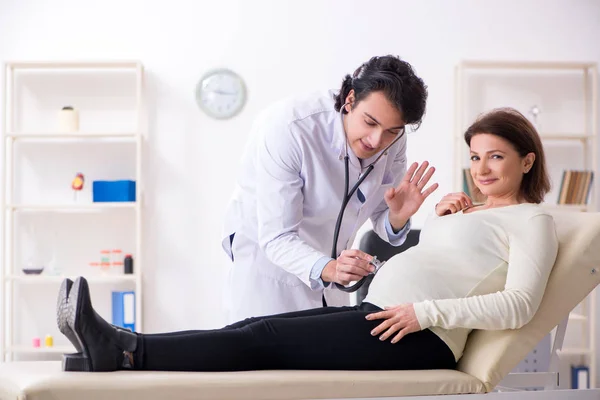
395, 78
512, 126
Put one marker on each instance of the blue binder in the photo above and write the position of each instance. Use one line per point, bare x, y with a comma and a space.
123, 309
580, 377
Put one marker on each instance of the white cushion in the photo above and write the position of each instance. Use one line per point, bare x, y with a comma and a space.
44, 380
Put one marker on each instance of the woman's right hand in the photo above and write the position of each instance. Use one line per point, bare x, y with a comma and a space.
453, 203
351, 266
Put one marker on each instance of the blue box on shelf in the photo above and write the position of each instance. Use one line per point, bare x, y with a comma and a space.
109, 191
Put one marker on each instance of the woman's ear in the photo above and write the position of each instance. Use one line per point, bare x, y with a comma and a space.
528, 161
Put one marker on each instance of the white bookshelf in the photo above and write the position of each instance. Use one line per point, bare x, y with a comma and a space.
567, 94
110, 92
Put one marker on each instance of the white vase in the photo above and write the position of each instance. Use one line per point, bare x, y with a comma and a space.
68, 120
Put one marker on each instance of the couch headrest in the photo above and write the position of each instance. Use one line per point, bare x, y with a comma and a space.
491, 355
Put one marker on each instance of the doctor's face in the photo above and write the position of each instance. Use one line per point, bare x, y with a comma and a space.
372, 124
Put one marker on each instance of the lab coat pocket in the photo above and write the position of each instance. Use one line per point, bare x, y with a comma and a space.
388, 179
233, 215
227, 245
387, 182
378, 196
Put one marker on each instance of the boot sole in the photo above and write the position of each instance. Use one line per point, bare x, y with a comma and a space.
78, 362
73, 361
61, 315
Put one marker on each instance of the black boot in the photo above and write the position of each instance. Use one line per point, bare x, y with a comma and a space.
72, 361
103, 346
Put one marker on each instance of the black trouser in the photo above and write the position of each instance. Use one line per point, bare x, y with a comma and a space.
332, 338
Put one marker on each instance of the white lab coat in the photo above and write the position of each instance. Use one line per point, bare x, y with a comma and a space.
286, 202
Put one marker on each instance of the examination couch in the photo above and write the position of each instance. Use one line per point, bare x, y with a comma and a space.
488, 358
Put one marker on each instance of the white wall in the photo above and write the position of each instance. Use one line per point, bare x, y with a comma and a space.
280, 48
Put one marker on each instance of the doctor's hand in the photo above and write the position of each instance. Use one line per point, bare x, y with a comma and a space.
351, 266
453, 203
406, 199
401, 319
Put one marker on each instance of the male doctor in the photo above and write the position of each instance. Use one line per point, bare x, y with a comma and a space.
280, 222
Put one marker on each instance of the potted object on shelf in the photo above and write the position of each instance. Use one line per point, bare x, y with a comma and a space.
34, 265
68, 120
535, 111
33, 270
128, 264
77, 184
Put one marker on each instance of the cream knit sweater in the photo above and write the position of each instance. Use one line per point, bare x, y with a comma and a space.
485, 269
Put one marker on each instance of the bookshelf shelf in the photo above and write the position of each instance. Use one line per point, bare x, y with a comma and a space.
561, 100
568, 207
40, 279
40, 350
575, 351
578, 317
78, 65
79, 136
565, 136
526, 65
72, 208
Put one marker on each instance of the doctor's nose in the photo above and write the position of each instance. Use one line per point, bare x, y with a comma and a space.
375, 138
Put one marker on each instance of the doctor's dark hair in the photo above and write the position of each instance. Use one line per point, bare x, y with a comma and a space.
512, 126
395, 78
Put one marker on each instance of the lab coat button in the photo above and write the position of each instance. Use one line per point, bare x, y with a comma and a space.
341, 158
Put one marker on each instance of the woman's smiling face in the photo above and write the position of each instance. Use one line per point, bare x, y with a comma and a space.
496, 167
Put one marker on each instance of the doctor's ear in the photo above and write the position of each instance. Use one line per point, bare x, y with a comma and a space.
349, 101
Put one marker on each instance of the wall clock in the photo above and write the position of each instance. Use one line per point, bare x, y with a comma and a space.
221, 93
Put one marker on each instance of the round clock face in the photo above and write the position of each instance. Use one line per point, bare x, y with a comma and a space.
221, 93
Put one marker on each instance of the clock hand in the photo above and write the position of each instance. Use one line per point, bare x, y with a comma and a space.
222, 92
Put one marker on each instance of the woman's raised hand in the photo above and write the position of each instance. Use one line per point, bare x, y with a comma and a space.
453, 203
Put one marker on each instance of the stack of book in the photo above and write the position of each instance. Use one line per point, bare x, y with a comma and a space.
575, 187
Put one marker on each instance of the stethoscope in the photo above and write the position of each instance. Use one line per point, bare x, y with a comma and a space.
347, 196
